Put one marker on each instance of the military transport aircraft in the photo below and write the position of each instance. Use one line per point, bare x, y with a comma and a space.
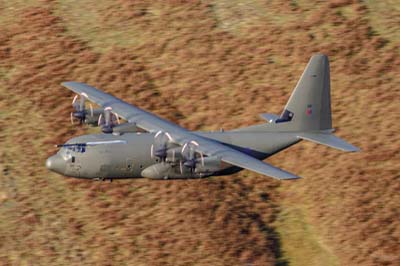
149, 146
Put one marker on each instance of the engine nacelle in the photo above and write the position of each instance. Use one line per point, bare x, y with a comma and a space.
211, 165
174, 154
125, 128
157, 171
92, 120
167, 170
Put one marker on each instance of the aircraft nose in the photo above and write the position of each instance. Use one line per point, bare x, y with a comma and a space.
56, 164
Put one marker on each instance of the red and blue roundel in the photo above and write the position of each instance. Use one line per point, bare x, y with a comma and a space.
309, 109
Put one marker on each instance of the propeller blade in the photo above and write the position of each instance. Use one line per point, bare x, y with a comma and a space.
114, 119
82, 103
202, 159
117, 116
168, 136
106, 122
157, 134
189, 156
183, 148
91, 110
99, 122
74, 101
79, 108
161, 145
107, 117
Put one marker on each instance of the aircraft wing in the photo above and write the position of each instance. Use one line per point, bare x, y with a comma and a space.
153, 123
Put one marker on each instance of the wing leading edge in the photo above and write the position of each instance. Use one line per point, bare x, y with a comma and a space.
153, 123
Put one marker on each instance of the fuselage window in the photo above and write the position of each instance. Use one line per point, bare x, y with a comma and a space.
72, 159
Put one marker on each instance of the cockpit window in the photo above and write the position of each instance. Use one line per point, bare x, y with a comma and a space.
65, 153
77, 148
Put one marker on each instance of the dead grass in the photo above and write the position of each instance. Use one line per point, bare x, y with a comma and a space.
387, 24
92, 24
174, 58
301, 243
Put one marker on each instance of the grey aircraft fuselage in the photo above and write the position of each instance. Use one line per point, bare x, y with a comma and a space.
174, 152
128, 160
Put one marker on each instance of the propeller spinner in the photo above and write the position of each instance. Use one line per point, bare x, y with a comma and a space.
80, 113
190, 157
161, 145
108, 120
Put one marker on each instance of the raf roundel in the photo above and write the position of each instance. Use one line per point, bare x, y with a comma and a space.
309, 109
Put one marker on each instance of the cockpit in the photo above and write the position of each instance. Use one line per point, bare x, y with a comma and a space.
76, 148
66, 155
69, 152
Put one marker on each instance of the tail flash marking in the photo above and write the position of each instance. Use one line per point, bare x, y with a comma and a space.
309, 109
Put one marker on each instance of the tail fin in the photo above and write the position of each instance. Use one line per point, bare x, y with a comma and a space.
309, 106
308, 111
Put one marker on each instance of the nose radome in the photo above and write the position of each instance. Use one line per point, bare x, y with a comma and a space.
56, 164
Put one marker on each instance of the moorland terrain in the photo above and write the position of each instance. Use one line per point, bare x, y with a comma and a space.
205, 65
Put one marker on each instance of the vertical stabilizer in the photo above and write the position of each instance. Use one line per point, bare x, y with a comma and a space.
309, 106
307, 113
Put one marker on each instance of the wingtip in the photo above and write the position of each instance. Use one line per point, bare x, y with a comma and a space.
66, 83
353, 149
350, 148
290, 177
281, 174
320, 55
71, 83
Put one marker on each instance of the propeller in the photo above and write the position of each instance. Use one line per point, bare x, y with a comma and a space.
191, 157
108, 120
80, 112
161, 145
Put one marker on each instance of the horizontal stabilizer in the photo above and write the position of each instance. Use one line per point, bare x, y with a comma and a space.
269, 117
328, 140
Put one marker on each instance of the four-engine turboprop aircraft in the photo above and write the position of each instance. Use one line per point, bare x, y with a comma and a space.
149, 146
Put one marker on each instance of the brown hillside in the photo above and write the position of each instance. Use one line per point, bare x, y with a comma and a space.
204, 65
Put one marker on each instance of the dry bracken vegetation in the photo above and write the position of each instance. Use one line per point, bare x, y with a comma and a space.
204, 65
